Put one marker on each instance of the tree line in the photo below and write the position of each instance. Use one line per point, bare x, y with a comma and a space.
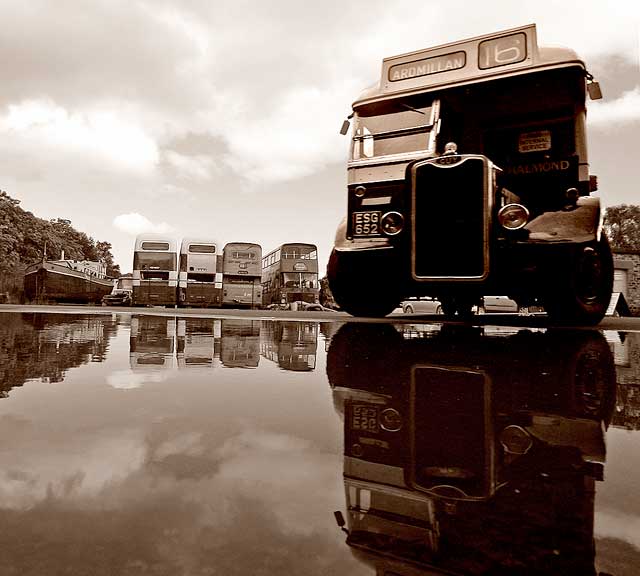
26, 239
622, 225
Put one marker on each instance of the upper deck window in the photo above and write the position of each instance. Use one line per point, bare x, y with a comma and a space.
244, 255
202, 248
397, 128
300, 253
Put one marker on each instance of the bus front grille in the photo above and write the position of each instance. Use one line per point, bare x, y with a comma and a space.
450, 227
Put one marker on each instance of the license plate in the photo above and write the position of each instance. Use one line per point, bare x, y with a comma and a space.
366, 223
364, 418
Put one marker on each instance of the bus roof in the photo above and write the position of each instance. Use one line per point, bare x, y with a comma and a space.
242, 244
506, 53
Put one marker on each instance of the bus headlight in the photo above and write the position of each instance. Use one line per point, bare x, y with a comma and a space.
516, 440
390, 420
513, 216
392, 223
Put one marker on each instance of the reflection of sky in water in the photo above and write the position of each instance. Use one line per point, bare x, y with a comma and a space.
172, 468
179, 469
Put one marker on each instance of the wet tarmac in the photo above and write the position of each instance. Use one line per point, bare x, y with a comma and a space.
188, 444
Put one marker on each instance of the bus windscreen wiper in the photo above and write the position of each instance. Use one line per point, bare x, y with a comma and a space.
412, 108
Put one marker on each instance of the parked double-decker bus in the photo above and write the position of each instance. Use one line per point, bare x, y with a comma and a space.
469, 175
200, 279
241, 275
155, 270
290, 274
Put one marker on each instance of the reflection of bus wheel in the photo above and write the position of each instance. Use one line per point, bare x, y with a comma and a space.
594, 374
408, 310
588, 284
362, 284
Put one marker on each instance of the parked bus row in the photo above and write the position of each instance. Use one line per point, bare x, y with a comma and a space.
196, 274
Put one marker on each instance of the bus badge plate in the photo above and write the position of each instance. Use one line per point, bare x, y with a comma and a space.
366, 223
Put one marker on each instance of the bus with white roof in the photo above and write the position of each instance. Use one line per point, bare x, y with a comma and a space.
469, 175
200, 276
155, 270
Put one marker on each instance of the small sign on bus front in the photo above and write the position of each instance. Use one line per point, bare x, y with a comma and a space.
537, 141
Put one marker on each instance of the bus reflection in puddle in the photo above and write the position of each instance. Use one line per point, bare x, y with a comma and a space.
151, 342
240, 343
291, 345
198, 342
472, 454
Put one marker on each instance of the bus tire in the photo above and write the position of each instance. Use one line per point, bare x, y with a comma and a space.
456, 307
587, 284
357, 283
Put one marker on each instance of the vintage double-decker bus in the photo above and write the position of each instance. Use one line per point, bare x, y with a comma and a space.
155, 270
241, 275
200, 279
290, 274
468, 175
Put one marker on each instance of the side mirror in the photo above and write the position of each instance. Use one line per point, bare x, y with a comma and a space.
593, 88
345, 127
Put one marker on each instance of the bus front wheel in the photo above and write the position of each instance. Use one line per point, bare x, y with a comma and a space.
362, 283
586, 285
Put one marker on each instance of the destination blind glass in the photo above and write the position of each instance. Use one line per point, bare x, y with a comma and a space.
428, 66
501, 51
202, 248
155, 246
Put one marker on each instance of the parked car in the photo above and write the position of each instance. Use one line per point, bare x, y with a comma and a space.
119, 297
422, 306
498, 305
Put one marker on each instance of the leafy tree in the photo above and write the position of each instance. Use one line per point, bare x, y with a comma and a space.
24, 238
622, 225
103, 250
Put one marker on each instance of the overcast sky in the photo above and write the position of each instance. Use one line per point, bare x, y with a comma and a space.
220, 118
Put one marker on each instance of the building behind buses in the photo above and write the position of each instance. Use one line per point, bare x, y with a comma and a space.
200, 278
155, 270
469, 175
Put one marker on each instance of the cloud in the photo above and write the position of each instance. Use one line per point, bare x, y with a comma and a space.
620, 111
129, 380
99, 135
134, 223
197, 167
298, 137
